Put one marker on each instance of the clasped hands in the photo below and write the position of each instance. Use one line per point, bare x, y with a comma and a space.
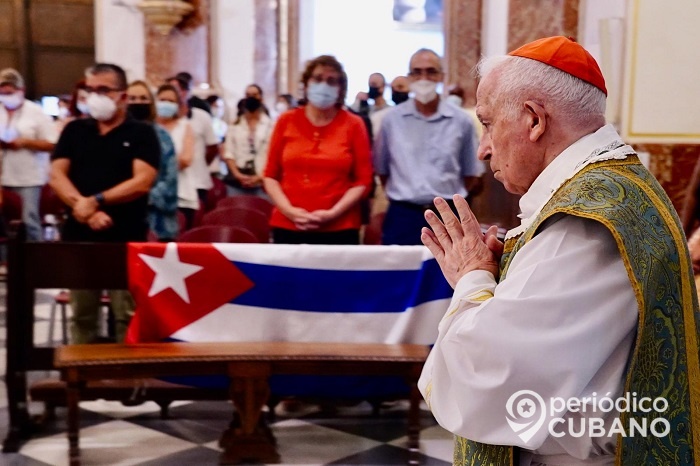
249, 181
85, 211
459, 245
309, 221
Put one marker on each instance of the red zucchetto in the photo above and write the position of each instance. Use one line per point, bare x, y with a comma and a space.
565, 54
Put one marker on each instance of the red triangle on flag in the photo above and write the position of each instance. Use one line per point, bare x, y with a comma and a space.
211, 281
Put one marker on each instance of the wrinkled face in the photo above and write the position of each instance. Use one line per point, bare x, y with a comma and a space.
505, 141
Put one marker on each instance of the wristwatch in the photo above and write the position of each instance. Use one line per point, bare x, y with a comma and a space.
100, 198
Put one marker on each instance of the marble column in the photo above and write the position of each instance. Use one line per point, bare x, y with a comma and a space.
463, 48
534, 19
266, 43
186, 48
288, 46
462, 28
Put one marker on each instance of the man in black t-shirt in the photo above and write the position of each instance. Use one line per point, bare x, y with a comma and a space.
103, 168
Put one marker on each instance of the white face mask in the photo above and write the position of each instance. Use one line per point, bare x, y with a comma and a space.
424, 90
12, 101
82, 107
322, 95
281, 107
101, 107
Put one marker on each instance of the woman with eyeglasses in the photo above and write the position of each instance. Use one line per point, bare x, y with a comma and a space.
162, 199
318, 165
167, 109
246, 145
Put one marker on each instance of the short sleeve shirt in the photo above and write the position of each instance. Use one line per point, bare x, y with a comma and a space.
26, 167
204, 136
100, 162
426, 157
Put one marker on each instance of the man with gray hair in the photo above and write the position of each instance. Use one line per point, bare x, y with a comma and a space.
425, 148
553, 338
27, 135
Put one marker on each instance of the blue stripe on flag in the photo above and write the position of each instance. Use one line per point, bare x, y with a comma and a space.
316, 290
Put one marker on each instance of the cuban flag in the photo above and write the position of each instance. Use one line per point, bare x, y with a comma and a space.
265, 292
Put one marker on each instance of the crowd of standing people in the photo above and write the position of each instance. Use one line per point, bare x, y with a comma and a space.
132, 162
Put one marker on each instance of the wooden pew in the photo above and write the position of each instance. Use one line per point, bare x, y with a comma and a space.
33, 266
249, 365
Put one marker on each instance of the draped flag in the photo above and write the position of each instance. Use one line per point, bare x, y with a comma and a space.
266, 292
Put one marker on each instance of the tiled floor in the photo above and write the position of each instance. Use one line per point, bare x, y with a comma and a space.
113, 434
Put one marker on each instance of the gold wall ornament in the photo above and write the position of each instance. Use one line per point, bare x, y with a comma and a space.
163, 15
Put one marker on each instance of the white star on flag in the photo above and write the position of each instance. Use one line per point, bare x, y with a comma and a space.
170, 272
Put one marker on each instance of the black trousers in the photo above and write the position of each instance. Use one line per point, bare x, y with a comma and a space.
283, 236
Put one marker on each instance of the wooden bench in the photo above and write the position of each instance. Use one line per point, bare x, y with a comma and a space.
249, 365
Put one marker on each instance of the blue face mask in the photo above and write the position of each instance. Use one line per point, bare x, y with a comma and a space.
322, 95
166, 109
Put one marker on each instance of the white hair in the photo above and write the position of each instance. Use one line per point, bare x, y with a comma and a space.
521, 79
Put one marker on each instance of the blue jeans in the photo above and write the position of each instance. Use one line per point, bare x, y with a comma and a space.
30, 209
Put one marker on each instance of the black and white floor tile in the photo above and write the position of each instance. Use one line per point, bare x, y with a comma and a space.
114, 434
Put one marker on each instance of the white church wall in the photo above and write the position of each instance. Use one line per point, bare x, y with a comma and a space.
120, 37
660, 87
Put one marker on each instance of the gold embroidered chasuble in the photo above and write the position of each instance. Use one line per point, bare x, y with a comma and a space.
623, 196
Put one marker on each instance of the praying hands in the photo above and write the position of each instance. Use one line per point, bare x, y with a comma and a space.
460, 246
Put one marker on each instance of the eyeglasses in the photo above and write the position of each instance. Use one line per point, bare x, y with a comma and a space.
429, 72
101, 90
331, 81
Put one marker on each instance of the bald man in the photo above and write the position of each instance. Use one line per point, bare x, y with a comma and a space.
399, 95
376, 84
